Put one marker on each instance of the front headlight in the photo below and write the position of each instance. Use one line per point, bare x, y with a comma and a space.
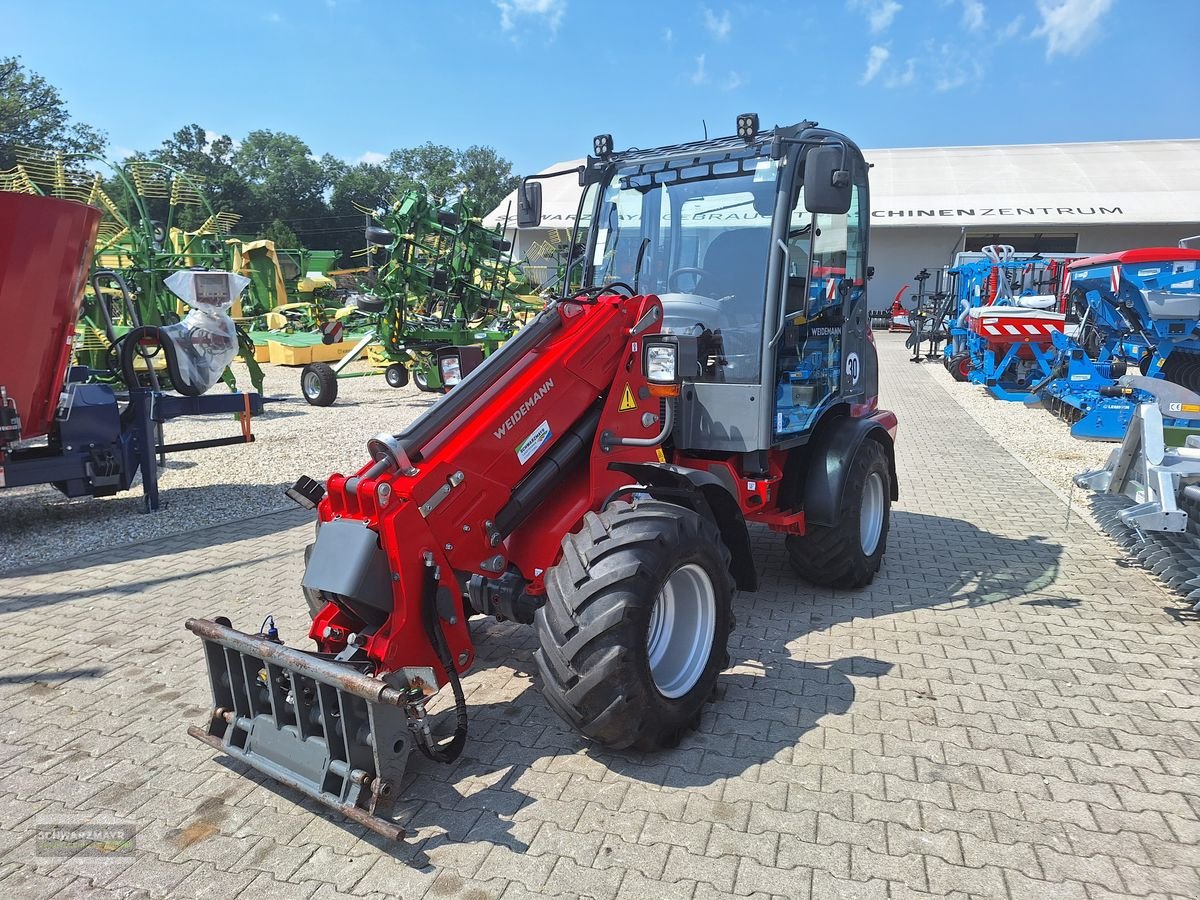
662, 363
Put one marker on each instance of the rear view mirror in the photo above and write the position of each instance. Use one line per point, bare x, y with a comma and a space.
826, 181
529, 204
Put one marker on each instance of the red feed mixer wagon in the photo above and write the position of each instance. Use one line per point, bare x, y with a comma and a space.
45, 253
89, 433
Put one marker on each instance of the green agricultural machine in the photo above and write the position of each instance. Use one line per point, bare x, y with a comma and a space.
155, 221
436, 278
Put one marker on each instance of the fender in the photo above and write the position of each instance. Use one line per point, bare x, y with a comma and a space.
707, 495
826, 459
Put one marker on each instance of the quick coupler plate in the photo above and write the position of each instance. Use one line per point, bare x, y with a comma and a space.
317, 725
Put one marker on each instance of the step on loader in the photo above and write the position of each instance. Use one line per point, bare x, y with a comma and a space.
709, 366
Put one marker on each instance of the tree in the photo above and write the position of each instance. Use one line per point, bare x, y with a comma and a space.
33, 114
207, 157
485, 177
283, 236
362, 185
435, 166
286, 182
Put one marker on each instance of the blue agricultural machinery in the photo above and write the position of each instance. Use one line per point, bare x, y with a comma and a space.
1138, 310
1002, 321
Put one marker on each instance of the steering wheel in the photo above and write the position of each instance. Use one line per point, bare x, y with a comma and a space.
684, 270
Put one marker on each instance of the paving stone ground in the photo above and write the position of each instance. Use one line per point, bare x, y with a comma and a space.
1009, 711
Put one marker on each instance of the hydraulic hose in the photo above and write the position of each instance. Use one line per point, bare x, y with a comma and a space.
129, 346
449, 751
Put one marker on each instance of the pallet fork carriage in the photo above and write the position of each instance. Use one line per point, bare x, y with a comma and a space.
709, 366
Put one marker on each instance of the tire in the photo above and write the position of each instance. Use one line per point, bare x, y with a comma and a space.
318, 384
847, 555
421, 380
960, 366
631, 578
396, 375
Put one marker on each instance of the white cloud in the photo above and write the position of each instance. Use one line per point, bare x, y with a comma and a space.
669, 36
733, 82
718, 26
1069, 26
699, 76
905, 77
1012, 28
972, 17
876, 57
955, 66
120, 153
371, 158
274, 18
550, 12
880, 13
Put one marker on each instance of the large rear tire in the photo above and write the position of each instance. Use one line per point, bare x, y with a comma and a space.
636, 622
847, 555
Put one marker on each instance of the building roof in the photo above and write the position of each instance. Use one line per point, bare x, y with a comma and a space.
1019, 185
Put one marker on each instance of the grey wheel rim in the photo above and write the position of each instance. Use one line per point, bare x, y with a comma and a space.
870, 521
683, 624
310, 383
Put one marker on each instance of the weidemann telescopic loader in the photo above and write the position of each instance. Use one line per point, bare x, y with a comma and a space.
595, 477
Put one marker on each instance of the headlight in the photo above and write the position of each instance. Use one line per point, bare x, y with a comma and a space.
451, 369
662, 364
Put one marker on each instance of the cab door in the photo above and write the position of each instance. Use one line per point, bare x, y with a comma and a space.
816, 364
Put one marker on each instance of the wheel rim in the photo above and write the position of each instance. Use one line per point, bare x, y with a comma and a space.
683, 623
964, 368
311, 384
870, 521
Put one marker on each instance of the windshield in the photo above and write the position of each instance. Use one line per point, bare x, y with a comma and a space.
697, 232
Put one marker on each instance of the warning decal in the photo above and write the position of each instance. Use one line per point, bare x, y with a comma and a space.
627, 401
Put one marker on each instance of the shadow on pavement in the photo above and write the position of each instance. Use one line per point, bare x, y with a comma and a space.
932, 562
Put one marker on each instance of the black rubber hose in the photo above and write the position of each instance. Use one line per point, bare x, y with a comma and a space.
129, 346
453, 748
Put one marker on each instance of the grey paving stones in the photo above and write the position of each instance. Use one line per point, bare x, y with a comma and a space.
1009, 711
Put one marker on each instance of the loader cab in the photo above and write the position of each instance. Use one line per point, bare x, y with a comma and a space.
766, 274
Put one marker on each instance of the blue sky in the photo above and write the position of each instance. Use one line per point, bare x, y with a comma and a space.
537, 78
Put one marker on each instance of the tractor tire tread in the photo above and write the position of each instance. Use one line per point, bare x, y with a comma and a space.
832, 556
592, 654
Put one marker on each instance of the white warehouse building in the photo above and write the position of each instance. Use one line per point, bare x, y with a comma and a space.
927, 203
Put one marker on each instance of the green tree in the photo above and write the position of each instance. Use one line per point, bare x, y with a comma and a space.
33, 114
434, 166
283, 236
207, 157
485, 177
286, 182
361, 185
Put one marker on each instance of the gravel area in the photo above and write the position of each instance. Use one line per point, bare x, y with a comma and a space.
206, 487
1039, 439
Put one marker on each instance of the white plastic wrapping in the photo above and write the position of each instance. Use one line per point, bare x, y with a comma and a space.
206, 340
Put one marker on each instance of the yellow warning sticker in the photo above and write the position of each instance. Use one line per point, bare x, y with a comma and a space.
662, 457
627, 401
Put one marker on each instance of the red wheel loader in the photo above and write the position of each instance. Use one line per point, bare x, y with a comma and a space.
711, 368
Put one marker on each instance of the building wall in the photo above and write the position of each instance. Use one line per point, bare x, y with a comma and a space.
899, 253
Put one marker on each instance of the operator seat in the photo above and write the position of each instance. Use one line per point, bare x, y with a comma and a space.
735, 262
